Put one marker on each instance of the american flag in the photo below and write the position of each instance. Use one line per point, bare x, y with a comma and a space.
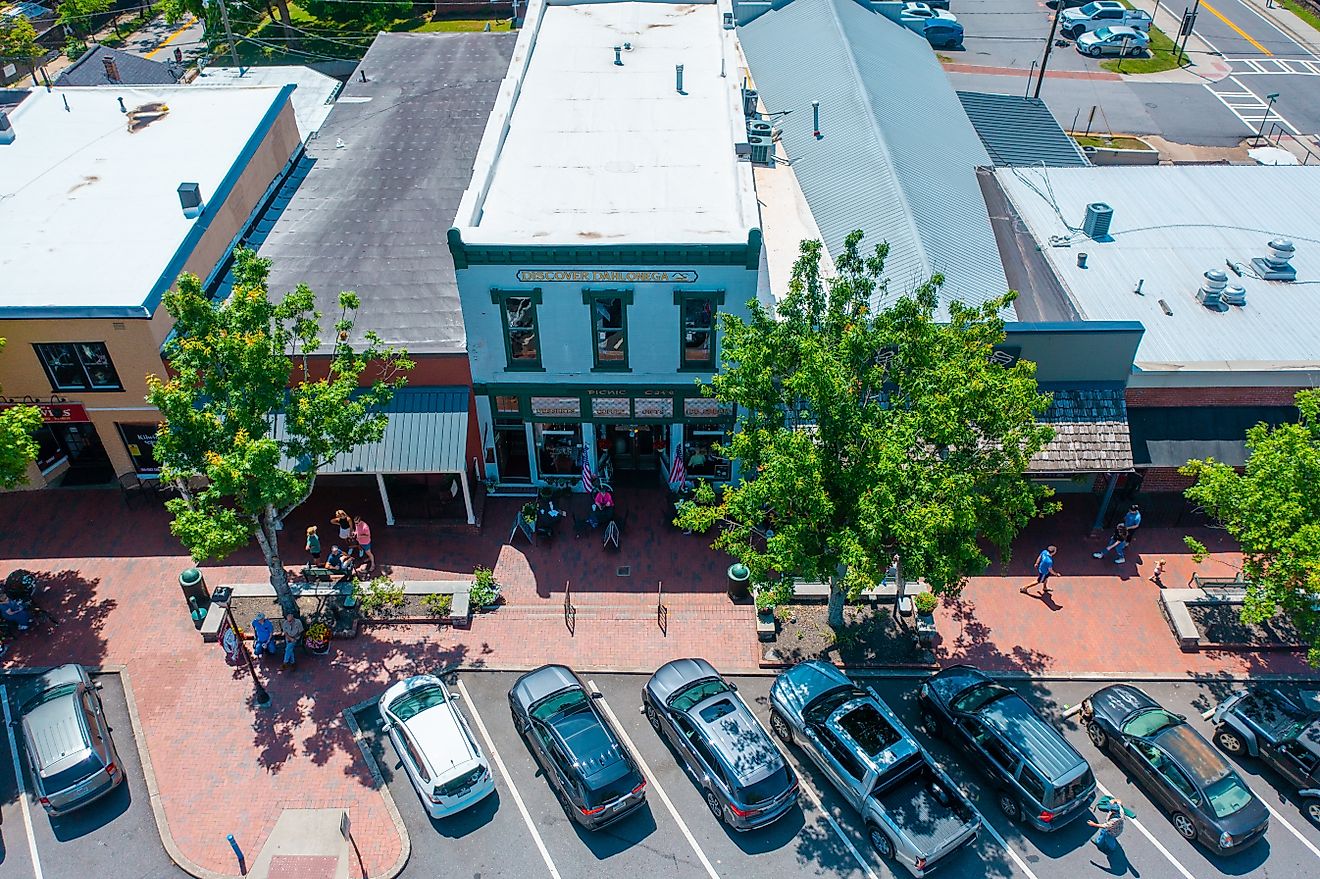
588, 480
678, 474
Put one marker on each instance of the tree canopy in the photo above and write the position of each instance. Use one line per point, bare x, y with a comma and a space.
17, 447
77, 15
1272, 509
18, 40
864, 436
237, 369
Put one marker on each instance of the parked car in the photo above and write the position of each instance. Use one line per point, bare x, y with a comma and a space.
1113, 41
1204, 797
1268, 725
744, 778
911, 810
439, 754
67, 741
1041, 779
1101, 13
940, 28
593, 775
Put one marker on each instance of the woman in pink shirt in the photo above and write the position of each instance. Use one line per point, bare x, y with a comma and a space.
363, 535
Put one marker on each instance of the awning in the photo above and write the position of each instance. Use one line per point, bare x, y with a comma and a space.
1090, 433
1170, 436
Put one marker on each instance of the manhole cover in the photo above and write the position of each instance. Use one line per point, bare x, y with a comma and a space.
625, 571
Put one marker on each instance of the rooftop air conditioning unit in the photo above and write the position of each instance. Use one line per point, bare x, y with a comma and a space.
1098, 217
762, 149
1276, 266
759, 128
750, 98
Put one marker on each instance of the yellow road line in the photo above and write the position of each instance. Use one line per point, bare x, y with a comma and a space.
191, 21
1219, 15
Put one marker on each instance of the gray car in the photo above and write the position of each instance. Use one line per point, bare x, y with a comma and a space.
744, 778
67, 741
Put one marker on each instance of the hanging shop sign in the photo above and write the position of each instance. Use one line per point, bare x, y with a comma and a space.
56, 413
608, 276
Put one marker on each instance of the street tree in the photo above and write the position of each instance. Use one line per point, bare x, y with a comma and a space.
370, 14
18, 41
868, 439
1272, 509
249, 417
17, 447
77, 15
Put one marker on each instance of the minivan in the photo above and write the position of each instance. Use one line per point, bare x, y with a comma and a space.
68, 742
1042, 780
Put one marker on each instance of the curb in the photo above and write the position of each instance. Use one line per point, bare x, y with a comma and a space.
405, 841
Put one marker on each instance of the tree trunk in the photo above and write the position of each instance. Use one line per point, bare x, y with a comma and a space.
267, 538
835, 605
287, 22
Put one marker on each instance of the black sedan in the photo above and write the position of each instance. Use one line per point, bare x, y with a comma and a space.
593, 775
1204, 797
744, 778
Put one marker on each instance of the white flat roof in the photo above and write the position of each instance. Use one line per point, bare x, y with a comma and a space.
312, 100
1170, 225
581, 150
89, 211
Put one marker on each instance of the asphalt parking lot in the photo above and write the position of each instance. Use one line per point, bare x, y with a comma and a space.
1011, 33
113, 837
521, 831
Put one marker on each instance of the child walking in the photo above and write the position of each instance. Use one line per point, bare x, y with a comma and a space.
313, 545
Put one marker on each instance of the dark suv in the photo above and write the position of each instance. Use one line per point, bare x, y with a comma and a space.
744, 778
593, 775
1269, 725
1042, 780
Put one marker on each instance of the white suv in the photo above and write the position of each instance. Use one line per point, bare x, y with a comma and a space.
440, 755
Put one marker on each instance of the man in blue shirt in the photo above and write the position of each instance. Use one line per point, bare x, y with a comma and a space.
1132, 519
1044, 570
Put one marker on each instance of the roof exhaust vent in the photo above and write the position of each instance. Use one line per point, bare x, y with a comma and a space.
1211, 294
6, 128
1098, 217
1277, 266
190, 199
618, 56
678, 79
1235, 294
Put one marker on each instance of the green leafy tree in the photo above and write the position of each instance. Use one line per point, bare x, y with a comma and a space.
17, 447
1272, 509
867, 439
369, 14
244, 18
18, 41
234, 367
77, 15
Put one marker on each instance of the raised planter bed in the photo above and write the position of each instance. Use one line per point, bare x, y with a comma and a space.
1210, 618
871, 638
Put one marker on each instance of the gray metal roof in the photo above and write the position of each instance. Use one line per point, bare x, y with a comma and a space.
897, 157
391, 163
89, 69
1018, 130
427, 433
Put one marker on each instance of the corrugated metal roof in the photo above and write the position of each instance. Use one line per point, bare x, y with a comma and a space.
427, 433
1169, 226
1018, 130
897, 157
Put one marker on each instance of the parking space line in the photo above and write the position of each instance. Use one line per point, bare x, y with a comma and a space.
22, 786
1155, 842
655, 783
1003, 843
517, 798
815, 799
1291, 829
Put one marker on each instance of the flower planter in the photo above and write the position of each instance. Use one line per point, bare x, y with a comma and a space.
925, 629
766, 625
319, 647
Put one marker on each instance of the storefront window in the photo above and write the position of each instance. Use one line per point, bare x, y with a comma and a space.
702, 459
522, 339
558, 448
79, 366
506, 405
698, 331
140, 441
609, 328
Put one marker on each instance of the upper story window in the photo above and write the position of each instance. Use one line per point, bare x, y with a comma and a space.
697, 326
522, 335
78, 366
609, 327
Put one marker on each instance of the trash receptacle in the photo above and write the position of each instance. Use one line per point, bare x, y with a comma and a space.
739, 581
195, 594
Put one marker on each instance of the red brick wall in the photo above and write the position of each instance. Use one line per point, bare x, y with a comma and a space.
1211, 396
1164, 479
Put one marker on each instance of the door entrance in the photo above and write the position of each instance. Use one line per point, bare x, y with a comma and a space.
632, 446
511, 452
88, 462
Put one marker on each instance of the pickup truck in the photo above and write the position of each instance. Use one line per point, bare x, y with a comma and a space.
1101, 13
912, 812
1286, 737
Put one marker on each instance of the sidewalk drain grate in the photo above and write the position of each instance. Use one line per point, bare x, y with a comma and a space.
625, 571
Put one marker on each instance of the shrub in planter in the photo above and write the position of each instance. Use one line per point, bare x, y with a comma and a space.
485, 590
317, 637
925, 602
438, 604
378, 598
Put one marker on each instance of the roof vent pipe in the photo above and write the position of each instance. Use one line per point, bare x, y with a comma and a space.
6, 128
678, 79
1211, 294
1278, 265
190, 199
815, 119
618, 56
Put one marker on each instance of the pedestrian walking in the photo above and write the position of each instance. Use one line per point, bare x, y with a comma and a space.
313, 546
293, 629
1109, 830
1132, 519
1119, 542
344, 523
363, 535
1157, 576
1044, 570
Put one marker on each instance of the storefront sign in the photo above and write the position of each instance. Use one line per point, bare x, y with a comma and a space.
653, 407
624, 392
544, 407
611, 407
703, 407
607, 276
140, 441
57, 413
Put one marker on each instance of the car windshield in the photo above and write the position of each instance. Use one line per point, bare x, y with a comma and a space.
823, 706
1147, 723
67, 778
460, 785
414, 702
1227, 795
1090, 9
694, 694
766, 789
979, 696
560, 704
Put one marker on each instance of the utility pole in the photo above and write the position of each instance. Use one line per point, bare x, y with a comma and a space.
229, 35
1049, 45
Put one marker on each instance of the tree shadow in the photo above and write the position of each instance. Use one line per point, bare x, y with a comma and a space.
974, 645
77, 634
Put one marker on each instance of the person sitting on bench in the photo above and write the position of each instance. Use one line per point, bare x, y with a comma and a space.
340, 562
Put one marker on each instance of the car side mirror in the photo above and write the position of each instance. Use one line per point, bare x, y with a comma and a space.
597, 694
98, 685
1181, 716
387, 727
733, 686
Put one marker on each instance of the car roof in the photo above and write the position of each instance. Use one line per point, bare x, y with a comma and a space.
589, 744
1192, 753
869, 717
1039, 742
55, 732
733, 733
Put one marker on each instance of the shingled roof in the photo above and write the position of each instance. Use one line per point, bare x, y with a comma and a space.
90, 69
1090, 432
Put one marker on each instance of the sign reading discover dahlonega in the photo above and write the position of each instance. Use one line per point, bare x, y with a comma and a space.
608, 276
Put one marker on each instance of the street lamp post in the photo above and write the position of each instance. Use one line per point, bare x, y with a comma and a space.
259, 695
1271, 97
